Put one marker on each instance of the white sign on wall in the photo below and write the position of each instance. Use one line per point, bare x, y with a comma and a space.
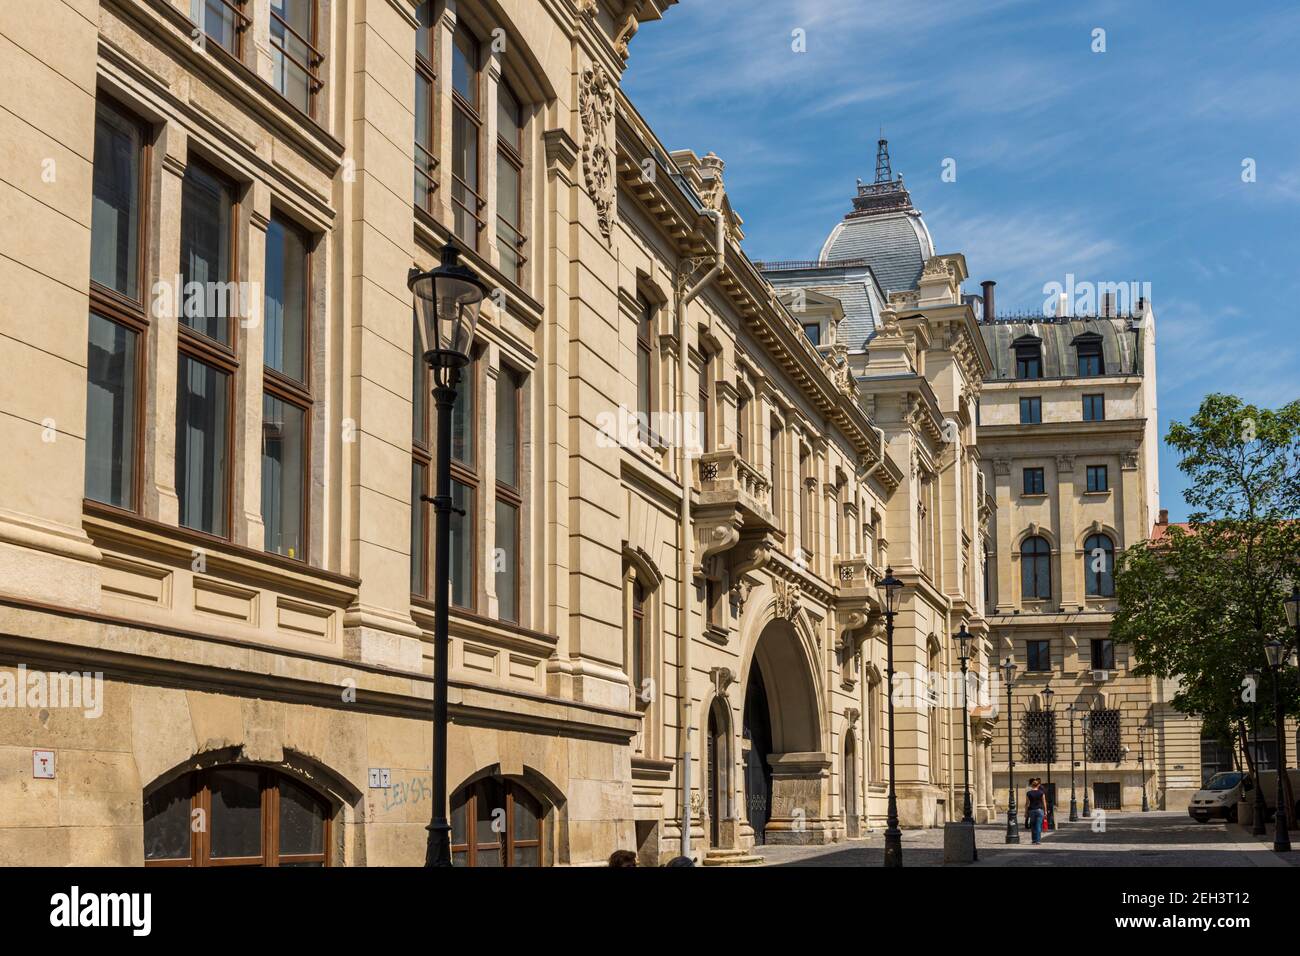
43, 764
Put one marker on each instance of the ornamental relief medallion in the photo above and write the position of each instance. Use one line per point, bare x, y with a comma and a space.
596, 109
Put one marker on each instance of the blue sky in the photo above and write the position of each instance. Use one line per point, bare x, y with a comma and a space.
1117, 167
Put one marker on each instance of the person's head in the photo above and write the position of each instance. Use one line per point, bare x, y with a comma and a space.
1035, 781
680, 861
622, 858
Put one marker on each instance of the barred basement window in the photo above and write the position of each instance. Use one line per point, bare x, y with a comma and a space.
1038, 736
1104, 743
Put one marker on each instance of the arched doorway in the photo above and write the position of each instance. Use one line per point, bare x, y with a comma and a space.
781, 723
719, 770
851, 785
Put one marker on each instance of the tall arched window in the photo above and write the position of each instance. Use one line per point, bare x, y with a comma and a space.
1099, 565
235, 816
496, 822
875, 746
1035, 568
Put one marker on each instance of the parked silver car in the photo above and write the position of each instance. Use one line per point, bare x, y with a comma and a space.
1219, 797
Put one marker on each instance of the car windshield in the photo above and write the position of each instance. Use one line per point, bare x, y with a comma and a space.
1223, 781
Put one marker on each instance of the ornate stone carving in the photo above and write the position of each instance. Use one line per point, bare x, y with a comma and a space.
1001, 466
788, 595
587, 7
1129, 461
1065, 463
723, 678
596, 108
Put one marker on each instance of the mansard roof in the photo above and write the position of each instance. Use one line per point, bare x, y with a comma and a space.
1120, 346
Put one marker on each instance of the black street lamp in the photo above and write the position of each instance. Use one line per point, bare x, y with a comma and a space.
1048, 694
1074, 804
1086, 722
1142, 765
890, 588
1013, 833
963, 655
1276, 661
1260, 826
447, 303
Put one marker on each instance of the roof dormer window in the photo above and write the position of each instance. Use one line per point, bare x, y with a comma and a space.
1029, 357
1088, 348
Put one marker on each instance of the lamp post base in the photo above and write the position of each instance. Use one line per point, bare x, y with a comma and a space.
1087, 809
1013, 831
438, 850
893, 847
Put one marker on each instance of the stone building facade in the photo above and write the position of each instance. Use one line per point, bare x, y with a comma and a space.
682, 472
1068, 433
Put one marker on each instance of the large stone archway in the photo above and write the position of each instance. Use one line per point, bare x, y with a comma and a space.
786, 774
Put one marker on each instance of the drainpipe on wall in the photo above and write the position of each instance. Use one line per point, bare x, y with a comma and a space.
684, 534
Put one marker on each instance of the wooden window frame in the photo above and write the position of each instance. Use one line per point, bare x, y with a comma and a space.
645, 322
242, 23
314, 82
1045, 647
299, 394
1090, 576
1035, 556
509, 844
1104, 472
705, 392
200, 791
474, 115
513, 153
426, 167
224, 357
1097, 403
742, 412
469, 474
639, 597
1035, 410
1033, 481
512, 494
1027, 355
119, 308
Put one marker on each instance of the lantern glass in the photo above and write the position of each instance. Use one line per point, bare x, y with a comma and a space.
963, 643
890, 587
1048, 694
1273, 650
1009, 670
447, 304
1292, 605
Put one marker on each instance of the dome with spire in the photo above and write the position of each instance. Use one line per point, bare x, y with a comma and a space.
884, 229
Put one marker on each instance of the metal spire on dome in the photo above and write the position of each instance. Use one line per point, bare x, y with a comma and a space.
884, 173
886, 194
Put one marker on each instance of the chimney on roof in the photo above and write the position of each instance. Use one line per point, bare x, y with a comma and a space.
1164, 516
987, 285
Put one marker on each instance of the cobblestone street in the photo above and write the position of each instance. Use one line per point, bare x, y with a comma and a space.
1128, 839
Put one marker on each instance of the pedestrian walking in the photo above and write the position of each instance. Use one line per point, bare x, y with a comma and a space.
1036, 807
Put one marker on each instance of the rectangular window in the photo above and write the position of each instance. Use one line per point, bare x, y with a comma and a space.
1039, 655
510, 178
117, 320
1094, 408
1103, 654
426, 153
286, 404
465, 490
509, 494
1098, 479
775, 467
645, 368
285, 313
638, 642
284, 438
1090, 361
208, 296
222, 21
462, 545
814, 332
1029, 361
112, 397
419, 527
706, 402
1031, 411
1033, 481
465, 129
203, 445
116, 209
807, 490
742, 425
295, 61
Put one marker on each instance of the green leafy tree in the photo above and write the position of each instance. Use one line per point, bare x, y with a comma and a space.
1200, 603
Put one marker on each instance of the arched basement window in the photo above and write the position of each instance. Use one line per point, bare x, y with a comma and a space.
496, 822
235, 816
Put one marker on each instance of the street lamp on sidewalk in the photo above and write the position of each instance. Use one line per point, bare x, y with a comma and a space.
1013, 834
890, 588
1276, 661
963, 655
1086, 723
1142, 765
447, 303
1048, 694
1074, 805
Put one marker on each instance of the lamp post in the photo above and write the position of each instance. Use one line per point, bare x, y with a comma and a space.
890, 587
963, 655
1142, 765
1260, 826
1074, 805
1013, 833
1048, 694
1086, 722
1276, 661
447, 303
